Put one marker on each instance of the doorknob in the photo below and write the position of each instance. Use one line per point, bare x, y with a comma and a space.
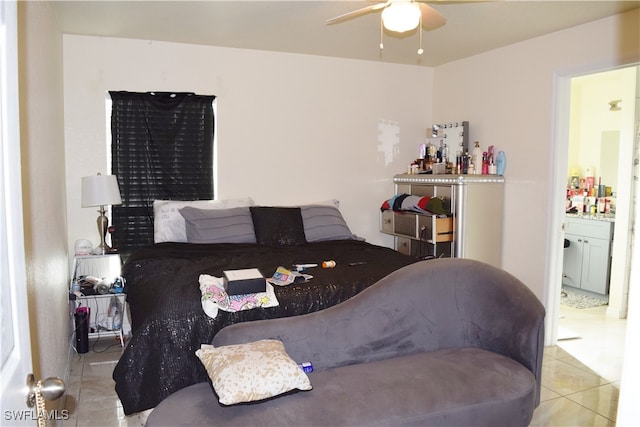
49, 389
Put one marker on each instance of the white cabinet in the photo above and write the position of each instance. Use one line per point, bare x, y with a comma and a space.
587, 259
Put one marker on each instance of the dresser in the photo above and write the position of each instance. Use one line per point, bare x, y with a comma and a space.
473, 229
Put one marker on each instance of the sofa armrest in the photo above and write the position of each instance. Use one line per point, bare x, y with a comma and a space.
426, 306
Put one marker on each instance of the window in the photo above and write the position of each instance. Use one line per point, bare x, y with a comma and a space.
162, 147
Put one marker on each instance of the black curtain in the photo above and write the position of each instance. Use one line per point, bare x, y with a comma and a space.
161, 148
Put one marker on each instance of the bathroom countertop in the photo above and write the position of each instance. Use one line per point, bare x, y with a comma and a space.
594, 217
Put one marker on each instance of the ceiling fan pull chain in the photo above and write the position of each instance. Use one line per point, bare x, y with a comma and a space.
381, 31
420, 50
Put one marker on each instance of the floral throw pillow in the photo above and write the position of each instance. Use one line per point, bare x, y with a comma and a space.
253, 371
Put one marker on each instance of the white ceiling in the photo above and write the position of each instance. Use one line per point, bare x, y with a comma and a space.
299, 26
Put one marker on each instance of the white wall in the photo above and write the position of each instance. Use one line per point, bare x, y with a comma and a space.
591, 143
291, 128
43, 181
508, 95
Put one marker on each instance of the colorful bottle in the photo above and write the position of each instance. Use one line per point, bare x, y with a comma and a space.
485, 163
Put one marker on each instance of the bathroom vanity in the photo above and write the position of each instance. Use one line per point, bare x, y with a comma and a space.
587, 258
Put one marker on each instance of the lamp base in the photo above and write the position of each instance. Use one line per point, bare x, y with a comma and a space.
103, 225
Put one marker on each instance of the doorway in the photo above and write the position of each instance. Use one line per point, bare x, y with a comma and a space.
610, 139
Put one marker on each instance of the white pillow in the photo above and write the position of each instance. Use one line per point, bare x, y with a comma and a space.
169, 225
330, 202
251, 372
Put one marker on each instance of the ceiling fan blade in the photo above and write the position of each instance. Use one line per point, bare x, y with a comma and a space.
431, 18
357, 12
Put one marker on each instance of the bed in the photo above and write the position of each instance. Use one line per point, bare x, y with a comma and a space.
165, 301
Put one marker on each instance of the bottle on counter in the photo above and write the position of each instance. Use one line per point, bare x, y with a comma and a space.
476, 158
492, 168
501, 162
465, 162
472, 169
485, 163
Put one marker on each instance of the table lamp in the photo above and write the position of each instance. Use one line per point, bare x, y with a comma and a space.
101, 190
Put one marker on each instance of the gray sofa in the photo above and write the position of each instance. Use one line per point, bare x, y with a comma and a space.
448, 342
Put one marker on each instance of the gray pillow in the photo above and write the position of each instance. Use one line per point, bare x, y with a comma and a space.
218, 225
324, 222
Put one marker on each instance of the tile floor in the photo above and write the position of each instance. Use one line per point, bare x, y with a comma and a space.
581, 376
575, 392
91, 398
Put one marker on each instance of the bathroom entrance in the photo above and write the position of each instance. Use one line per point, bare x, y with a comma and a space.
604, 124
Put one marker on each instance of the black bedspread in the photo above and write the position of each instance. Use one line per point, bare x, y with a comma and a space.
169, 324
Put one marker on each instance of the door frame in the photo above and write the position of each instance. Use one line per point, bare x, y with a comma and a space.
627, 407
559, 162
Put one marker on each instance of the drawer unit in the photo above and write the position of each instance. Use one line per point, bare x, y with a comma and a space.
386, 222
429, 228
589, 228
405, 245
472, 229
418, 248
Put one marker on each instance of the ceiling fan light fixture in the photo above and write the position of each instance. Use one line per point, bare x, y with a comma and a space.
401, 16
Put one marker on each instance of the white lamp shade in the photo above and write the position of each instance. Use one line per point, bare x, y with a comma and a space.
100, 190
401, 16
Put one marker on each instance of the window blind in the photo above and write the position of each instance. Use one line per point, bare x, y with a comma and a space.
161, 148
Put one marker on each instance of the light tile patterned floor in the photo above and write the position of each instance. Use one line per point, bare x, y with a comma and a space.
91, 397
581, 376
575, 392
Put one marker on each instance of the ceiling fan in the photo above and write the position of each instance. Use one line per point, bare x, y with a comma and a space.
399, 16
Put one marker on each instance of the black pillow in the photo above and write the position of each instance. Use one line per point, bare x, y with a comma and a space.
275, 226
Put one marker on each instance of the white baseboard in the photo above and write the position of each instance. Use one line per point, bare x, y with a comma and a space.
616, 313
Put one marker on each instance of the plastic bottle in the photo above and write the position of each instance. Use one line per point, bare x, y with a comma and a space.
476, 158
117, 318
329, 264
306, 367
492, 169
485, 163
115, 313
501, 162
